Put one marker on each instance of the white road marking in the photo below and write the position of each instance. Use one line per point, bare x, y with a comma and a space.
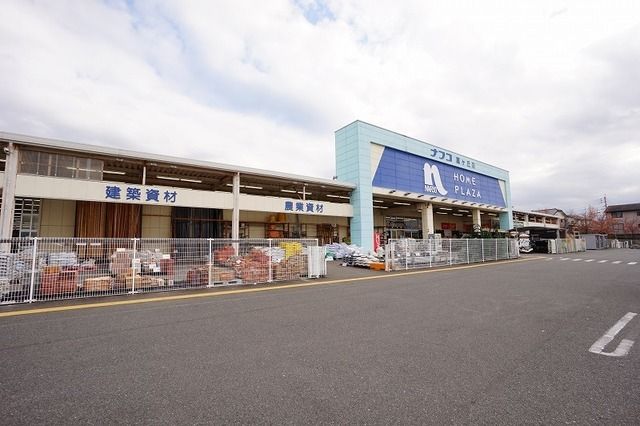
616, 262
632, 263
624, 346
549, 258
589, 260
577, 260
565, 258
602, 261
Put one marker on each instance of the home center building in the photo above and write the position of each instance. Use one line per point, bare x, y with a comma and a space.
409, 188
387, 185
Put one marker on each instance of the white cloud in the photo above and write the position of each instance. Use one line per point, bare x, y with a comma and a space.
545, 89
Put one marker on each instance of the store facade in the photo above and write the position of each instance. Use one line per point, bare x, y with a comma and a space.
409, 188
387, 186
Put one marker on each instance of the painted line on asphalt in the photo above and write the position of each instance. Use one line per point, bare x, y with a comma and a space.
624, 346
632, 263
577, 260
589, 260
248, 290
565, 258
602, 261
616, 262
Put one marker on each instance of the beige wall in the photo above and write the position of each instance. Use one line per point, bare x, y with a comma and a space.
57, 218
74, 189
156, 221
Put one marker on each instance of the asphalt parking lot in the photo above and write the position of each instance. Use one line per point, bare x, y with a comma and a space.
502, 343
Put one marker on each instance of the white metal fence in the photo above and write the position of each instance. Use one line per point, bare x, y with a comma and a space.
41, 269
618, 244
405, 254
566, 245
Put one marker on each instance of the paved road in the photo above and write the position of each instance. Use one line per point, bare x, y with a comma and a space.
505, 343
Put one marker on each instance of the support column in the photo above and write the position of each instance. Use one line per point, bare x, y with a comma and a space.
9, 191
428, 227
477, 219
235, 218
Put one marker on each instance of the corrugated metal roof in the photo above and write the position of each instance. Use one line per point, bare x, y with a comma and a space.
133, 155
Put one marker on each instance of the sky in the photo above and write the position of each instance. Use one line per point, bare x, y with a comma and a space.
549, 90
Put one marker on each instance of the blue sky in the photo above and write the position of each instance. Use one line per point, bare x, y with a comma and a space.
545, 89
315, 11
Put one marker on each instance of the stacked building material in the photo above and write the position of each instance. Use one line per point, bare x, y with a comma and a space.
291, 268
63, 259
121, 262
341, 250
126, 281
198, 276
275, 253
8, 268
167, 267
222, 255
55, 281
359, 259
221, 274
291, 248
254, 267
97, 284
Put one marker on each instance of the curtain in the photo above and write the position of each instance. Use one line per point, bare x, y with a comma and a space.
90, 219
123, 221
108, 220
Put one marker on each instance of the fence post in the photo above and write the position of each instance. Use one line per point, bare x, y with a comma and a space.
482, 247
209, 283
496, 249
387, 256
507, 240
133, 266
450, 241
406, 254
33, 269
431, 250
467, 251
270, 279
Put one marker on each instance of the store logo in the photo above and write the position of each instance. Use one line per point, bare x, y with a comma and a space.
432, 182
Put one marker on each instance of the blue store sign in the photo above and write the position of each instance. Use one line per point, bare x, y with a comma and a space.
408, 172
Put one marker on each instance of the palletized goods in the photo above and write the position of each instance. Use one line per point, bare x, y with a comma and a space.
291, 248
222, 274
167, 267
253, 272
198, 276
121, 262
223, 254
63, 259
97, 284
53, 283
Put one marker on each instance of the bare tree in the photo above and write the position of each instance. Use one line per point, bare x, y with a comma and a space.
593, 221
632, 225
